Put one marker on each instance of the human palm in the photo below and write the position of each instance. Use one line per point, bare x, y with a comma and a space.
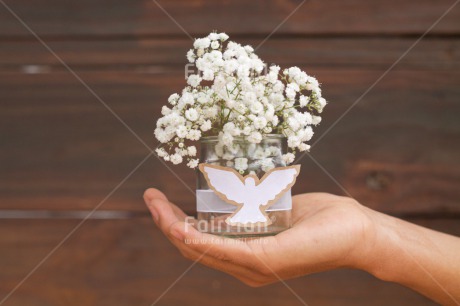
327, 233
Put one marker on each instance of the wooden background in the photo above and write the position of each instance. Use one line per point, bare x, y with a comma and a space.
62, 152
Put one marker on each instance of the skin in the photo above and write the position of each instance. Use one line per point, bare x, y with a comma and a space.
329, 232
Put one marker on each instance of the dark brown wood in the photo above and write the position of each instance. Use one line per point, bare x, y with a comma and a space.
62, 149
162, 55
126, 262
405, 186
62, 152
90, 18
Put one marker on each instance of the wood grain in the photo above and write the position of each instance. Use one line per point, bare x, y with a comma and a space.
129, 262
62, 149
62, 153
163, 55
121, 17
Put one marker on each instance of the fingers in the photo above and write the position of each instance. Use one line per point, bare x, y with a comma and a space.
244, 274
231, 256
228, 255
224, 249
164, 215
152, 194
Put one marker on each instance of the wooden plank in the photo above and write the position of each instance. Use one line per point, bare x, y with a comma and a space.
128, 262
61, 149
402, 186
157, 55
236, 17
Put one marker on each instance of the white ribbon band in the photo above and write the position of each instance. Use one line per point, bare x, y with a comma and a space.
208, 201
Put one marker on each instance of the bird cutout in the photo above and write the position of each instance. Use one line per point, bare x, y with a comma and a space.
251, 195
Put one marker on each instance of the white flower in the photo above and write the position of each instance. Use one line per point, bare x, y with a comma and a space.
200, 52
293, 124
260, 123
246, 131
213, 36
316, 120
228, 156
255, 137
193, 163
306, 134
206, 126
267, 164
267, 130
259, 153
238, 98
293, 141
210, 112
161, 135
229, 54
161, 152
191, 151
194, 135
202, 43
256, 107
303, 118
303, 101
290, 93
230, 66
181, 131
214, 56
191, 114
230, 103
227, 139
293, 86
223, 36
273, 151
187, 98
191, 55
173, 98
208, 75
241, 163
322, 103
194, 80
165, 110
215, 44
288, 158
219, 149
180, 150
303, 147
243, 71
176, 159
248, 49
259, 90
231, 129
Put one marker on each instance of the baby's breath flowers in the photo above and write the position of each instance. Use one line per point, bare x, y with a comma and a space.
233, 95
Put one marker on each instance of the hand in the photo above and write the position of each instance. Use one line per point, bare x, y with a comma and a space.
328, 232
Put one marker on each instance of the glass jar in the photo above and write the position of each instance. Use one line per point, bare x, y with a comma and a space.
246, 158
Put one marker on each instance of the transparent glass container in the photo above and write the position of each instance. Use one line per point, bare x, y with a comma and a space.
260, 158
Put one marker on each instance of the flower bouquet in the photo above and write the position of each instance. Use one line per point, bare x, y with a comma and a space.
248, 120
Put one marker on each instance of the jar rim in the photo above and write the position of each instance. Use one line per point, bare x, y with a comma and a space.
269, 136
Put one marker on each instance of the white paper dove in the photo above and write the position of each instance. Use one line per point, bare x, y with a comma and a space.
251, 195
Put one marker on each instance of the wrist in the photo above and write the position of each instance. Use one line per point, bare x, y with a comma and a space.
381, 254
374, 250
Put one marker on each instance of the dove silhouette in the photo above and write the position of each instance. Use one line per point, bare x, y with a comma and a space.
251, 195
